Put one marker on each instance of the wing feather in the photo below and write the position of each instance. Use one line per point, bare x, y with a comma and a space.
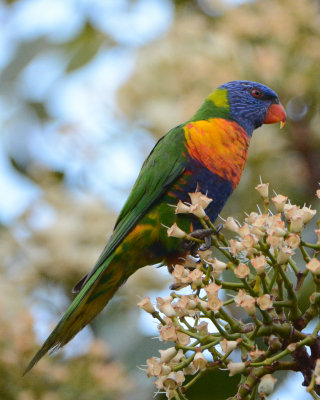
164, 165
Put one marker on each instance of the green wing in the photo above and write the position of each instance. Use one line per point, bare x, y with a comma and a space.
163, 166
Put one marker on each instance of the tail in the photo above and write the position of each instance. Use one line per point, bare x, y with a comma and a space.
94, 296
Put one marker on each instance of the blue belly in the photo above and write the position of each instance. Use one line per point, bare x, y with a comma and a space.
215, 187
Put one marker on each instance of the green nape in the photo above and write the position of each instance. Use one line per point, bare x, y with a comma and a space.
216, 105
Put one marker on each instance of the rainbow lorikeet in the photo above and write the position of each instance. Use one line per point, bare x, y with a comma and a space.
206, 153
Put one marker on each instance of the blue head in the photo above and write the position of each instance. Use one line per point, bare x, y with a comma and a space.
253, 104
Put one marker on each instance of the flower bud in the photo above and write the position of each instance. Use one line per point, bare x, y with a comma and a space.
314, 266
242, 271
182, 208
199, 361
231, 225
318, 193
176, 232
317, 232
279, 201
263, 190
266, 384
259, 264
236, 367
145, 304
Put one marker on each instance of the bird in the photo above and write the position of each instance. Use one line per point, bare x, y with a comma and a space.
206, 154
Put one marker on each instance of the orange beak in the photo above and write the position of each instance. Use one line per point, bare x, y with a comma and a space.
276, 113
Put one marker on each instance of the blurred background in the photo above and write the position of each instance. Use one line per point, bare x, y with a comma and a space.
86, 89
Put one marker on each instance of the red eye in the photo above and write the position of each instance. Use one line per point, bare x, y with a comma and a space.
256, 93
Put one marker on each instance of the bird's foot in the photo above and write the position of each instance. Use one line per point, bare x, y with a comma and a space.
193, 247
203, 234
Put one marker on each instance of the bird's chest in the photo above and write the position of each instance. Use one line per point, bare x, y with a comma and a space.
219, 146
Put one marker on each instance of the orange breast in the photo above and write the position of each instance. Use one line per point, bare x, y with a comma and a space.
220, 145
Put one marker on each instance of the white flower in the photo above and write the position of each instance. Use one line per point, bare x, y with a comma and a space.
173, 380
284, 254
212, 289
307, 214
250, 219
266, 384
197, 210
231, 225
279, 201
196, 278
146, 305
200, 198
182, 208
317, 368
263, 190
167, 354
235, 246
164, 305
296, 223
218, 267
314, 266
228, 345
244, 300
236, 367
154, 367
214, 303
259, 263
244, 230
199, 361
265, 302
175, 231
293, 241
242, 270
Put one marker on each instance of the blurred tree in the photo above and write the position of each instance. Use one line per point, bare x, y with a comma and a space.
69, 153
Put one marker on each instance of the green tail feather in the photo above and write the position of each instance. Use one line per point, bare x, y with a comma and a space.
94, 296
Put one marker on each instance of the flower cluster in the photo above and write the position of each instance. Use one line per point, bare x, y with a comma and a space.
254, 273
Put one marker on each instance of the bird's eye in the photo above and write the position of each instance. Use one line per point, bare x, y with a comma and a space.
256, 93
